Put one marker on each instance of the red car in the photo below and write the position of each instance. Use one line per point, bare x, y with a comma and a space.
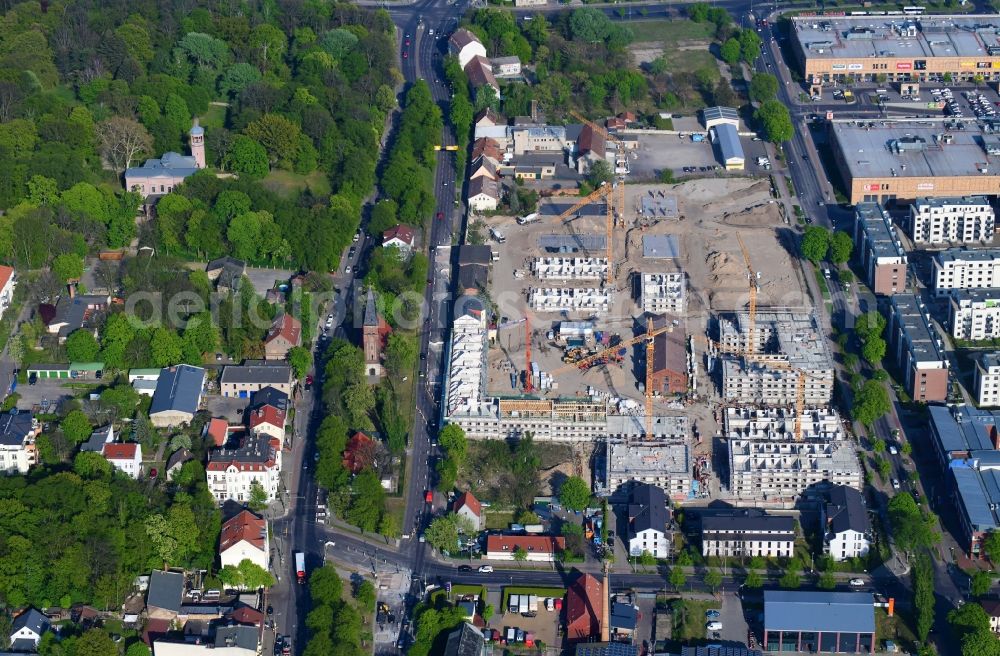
406, 55
309, 381
429, 496
440, 216
407, 42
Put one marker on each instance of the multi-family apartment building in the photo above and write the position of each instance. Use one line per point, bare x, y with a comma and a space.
663, 293
18, 430
974, 314
879, 250
988, 379
917, 349
232, 473
847, 530
962, 268
786, 344
747, 533
942, 220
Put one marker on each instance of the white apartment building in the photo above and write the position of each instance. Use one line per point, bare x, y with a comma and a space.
778, 471
988, 379
664, 293
961, 268
747, 533
956, 219
648, 522
232, 472
974, 314
571, 268
18, 431
244, 537
844, 521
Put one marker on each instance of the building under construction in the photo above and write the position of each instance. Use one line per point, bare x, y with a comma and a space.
664, 461
769, 466
785, 345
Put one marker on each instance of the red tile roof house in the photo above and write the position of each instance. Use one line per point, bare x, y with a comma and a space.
399, 236
244, 537
125, 457
218, 430
285, 334
468, 506
585, 601
268, 420
540, 548
359, 453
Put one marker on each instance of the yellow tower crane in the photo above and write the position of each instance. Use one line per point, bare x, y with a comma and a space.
752, 277
605, 191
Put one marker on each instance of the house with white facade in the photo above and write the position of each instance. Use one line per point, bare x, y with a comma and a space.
468, 506
465, 46
8, 280
267, 420
846, 528
126, 457
241, 381
159, 176
484, 194
942, 220
749, 532
231, 473
648, 522
506, 66
18, 430
244, 537
988, 379
27, 630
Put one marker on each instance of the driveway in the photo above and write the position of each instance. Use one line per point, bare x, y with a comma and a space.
228, 408
734, 624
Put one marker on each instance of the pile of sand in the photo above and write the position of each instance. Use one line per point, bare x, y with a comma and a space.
758, 216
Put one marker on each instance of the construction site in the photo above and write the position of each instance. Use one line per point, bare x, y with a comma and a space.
622, 321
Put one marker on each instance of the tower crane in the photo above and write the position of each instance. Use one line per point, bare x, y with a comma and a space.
605, 191
752, 277
529, 386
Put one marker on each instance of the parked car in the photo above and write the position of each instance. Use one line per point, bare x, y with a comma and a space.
714, 626
485, 569
893, 450
712, 614
895, 483
856, 583
464, 568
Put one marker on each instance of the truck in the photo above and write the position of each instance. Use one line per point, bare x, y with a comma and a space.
530, 218
300, 567
497, 236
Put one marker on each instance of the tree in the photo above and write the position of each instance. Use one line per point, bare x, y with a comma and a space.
713, 579
870, 402
258, 496
365, 594
815, 243
367, 501
383, 216
253, 576
300, 359
873, 350
574, 493
122, 141
138, 648
279, 137
911, 527
776, 120
400, 354
247, 157
730, 52
238, 77
923, 592
95, 642
980, 584
68, 266
520, 555
677, 578
826, 581
841, 246
600, 173
750, 45
870, 324
753, 580
166, 347
76, 427
442, 533
991, 544
878, 445
81, 346
982, 642
790, 579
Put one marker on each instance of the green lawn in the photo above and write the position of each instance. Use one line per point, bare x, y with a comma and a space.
286, 183
671, 32
214, 118
689, 619
499, 520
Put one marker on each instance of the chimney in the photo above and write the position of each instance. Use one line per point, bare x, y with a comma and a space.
606, 611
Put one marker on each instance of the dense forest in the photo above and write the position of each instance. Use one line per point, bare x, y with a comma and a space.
88, 88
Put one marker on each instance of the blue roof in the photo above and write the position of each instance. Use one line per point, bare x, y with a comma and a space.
844, 612
976, 491
178, 389
971, 432
728, 140
169, 164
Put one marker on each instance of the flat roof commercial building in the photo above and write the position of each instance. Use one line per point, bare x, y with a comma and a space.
886, 160
879, 250
917, 349
960, 220
900, 48
974, 314
729, 150
824, 622
963, 268
793, 341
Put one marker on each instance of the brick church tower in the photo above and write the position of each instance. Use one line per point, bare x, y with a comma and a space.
372, 338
